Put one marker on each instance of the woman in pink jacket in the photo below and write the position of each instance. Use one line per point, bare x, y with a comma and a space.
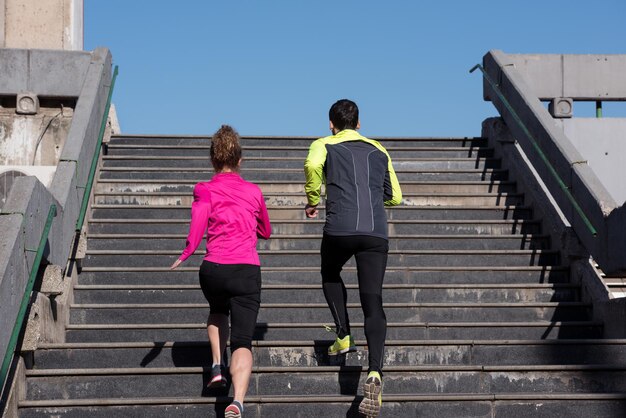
233, 214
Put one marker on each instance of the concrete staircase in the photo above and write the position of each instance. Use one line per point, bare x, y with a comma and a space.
483, 320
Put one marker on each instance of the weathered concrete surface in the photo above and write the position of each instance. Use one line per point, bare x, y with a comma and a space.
50, 24
18, 389
45, 73
33, 139
592, 196
44, 173
23, 218
557, 226
580, 77
602, 142
52, 283
14, 274
87, 77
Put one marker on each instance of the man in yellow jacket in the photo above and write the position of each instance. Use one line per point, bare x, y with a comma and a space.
360, 181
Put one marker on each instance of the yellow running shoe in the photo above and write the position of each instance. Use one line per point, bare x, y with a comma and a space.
342, 346
372, 396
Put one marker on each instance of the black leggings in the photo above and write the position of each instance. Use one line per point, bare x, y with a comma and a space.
370, 254
236, 289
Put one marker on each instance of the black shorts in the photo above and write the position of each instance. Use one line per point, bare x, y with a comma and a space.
235, 290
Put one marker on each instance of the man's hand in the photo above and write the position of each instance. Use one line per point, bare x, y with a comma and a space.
311, 211
176, 264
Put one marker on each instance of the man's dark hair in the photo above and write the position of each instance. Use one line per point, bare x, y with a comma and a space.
344, 114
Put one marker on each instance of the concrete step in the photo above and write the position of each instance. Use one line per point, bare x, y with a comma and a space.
299, 199
279, 242
314, 353
290, 141
326, 380
406, 151
289, 174
200, 161
178, 313
188, 274
278, 199
312, 293
310, 258
541, 405
185, 187
395, 227
316, 331
296, 212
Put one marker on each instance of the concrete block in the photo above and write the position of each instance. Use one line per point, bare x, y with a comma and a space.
81, 247
64, 190
543, 73
27, 104
13, 274
580, 76
31, 199
90, 105
13, 64
57, 73
17, 391
52, 283
50, 313
561, 107
114, 123
602, 144
17, 201
594, 76
614, 311
42, 325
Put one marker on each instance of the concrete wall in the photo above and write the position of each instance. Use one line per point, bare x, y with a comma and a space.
602, 143
580, 77
46, 73
22, 216
605, 309
517, 98
43, 24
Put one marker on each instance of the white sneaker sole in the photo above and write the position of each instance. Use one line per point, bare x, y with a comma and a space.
370, 406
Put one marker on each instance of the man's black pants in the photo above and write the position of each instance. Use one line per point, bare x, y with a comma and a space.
370, 254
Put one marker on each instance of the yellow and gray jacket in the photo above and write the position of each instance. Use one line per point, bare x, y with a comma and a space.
360, 182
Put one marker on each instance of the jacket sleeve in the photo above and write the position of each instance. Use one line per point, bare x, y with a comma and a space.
314, 171
392, 186
264, 228
199, 221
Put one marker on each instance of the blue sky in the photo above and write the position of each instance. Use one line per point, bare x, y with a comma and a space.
275, 67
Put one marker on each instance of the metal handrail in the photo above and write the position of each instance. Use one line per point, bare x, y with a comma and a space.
534, 143
94, 160
8, 356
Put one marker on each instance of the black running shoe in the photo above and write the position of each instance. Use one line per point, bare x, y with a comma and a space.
234, 410
218, 380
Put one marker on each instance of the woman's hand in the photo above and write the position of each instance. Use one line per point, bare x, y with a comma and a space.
176, 264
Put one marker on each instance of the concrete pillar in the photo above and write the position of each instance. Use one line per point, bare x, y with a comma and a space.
41, 24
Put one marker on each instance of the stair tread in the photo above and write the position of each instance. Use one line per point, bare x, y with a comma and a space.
349, 268
348, 286
353, 325
327, 369
311, 343
582, 396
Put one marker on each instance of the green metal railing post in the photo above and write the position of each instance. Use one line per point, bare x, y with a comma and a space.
598, 109
8, 356
543, 157
94, 160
